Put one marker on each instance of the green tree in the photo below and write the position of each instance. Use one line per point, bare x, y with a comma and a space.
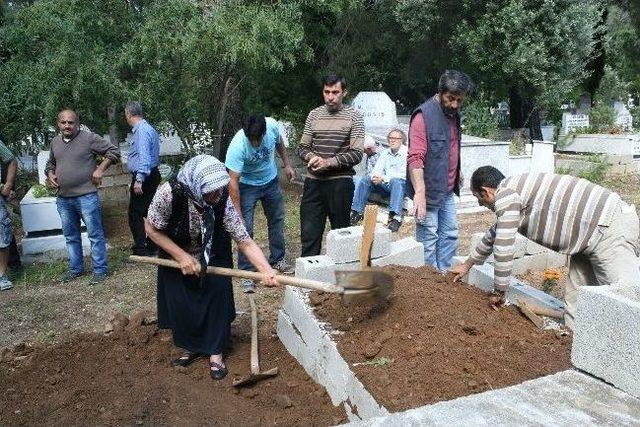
61, 53
534, 50
189, 61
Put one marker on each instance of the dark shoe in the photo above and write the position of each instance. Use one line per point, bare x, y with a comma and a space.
394, 225
97, 278
356, 217
283, 267
219, 373
69, 276
186, 359
248, 286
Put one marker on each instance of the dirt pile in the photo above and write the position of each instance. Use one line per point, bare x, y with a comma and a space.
124, 378
437, 340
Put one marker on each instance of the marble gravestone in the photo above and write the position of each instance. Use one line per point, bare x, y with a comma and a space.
377, 109
623, 117
574, 121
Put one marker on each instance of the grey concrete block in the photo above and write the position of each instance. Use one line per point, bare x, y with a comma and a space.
556, 259
319, 267
406, 251
606, 340
343, 244
481, 276
535, 262
533, 248
308, 340
47, 248
568, 398
523, 291
520, 245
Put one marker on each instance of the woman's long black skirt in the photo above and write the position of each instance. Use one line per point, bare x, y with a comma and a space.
199, 313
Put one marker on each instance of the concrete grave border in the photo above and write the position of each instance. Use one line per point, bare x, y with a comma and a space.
310, 341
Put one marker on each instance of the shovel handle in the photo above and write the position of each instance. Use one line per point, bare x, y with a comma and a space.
232, 272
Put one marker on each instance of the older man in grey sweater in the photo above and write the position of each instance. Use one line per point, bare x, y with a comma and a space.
72, 170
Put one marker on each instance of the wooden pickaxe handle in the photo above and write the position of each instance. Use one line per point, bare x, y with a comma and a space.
232, 272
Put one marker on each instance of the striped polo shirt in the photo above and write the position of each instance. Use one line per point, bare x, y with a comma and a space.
560, 212
337, 136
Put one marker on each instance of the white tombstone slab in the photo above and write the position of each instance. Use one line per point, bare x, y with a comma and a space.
377, 109
43, 156
574, 121
623, 119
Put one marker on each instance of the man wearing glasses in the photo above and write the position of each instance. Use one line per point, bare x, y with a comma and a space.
73, 170
388, 178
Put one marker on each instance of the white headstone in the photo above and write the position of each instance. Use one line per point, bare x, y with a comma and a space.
574, 121
43, 156
623, 119
377, 109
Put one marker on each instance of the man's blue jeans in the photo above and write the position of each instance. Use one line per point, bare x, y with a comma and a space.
438, 232
87, 207
273, 205
393, 188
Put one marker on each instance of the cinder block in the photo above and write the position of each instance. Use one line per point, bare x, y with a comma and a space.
530, 262
343, 244
481, 276
556, 259
533, 248
319, 267
523, 291
606, 340
406, 251
520, 245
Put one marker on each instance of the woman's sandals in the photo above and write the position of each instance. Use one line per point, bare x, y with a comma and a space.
186, 359
219, 373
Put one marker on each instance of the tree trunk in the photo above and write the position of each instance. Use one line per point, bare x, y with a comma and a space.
534, 125
596, 64
113, 127
516, 108
222, 112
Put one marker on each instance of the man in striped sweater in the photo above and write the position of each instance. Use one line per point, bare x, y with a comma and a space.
331, 146
563, 213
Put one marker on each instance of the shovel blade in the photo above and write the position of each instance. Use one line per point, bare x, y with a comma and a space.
364, 286
254, 378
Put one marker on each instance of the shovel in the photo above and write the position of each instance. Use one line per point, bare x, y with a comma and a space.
362, 286
255, 374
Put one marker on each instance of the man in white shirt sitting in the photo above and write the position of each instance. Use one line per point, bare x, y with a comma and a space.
387, 178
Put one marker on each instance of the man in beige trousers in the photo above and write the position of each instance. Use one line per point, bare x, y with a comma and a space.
563, 213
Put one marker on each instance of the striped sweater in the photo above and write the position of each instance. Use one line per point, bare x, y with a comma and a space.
337, 136
560, 212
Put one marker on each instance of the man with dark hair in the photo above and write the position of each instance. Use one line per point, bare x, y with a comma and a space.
433, 165
72, 169
254, 178
563, 213
143, 164
331, 146
6, 231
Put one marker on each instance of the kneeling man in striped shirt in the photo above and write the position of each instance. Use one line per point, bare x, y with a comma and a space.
565, 214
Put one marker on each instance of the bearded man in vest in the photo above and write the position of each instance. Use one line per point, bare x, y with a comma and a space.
433, 168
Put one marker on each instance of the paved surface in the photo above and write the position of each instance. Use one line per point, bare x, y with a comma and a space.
568, 398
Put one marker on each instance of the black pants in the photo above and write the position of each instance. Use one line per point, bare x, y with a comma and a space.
138, 207
321, 199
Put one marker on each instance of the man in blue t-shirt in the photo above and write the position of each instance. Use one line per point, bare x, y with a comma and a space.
254, 177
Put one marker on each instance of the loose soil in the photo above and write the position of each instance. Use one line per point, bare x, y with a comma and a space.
125, 379
437, 340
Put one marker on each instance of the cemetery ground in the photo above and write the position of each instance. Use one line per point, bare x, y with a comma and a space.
59, 367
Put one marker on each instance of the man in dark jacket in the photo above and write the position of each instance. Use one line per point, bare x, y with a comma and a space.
433, 165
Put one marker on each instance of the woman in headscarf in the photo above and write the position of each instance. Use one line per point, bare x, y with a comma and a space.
192, 220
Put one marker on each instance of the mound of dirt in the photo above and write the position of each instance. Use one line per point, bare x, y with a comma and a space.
125, 378
437, 340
